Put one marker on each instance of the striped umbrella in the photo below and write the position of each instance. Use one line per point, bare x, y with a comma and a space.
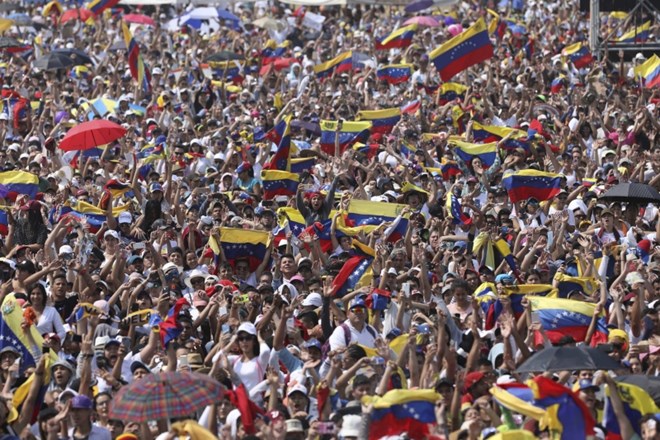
164, 396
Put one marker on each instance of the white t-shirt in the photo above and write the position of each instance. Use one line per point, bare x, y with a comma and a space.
365, 337
251, 372
97, 433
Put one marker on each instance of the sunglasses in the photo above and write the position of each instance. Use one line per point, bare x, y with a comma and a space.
245, 338
358, 309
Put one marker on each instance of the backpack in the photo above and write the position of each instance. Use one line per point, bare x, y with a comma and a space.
325, 348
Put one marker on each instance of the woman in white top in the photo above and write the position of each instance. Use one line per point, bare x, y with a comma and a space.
250, 366
48, 320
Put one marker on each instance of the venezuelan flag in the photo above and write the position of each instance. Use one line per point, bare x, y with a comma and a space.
139, 72
20, 182
455, 210
98, 6
301, 164
4, 221
579, 55
636, 403
527, 184
466, 49
411, 107
273, 51
281, 160
279, 183
494, 133
450, 91
638, 34
363, 213
383, 121
564, 317
116, 188
402, 411
94, 215
341, 63
496, 26
486, 297
80, 72
291, 218
467, 151
229, 70
351, 132
247, 244
170, 329
566, 284
557, 84
395, 73
399, 38
276, 133
448, 169
352, 275
650, 72
369, 150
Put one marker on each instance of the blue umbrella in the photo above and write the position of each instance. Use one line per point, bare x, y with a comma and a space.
226, 15
20, 19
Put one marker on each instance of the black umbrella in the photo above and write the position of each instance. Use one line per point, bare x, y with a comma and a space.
568, 358
53, 61
224, 55
650, 384
10, 44
638, 193
78, 56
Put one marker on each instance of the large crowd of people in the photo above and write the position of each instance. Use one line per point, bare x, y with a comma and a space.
395, 289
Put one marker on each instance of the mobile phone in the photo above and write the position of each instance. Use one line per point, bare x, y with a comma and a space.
182, 362
405, 288
326, 428
126, 342
226, 328
14, 374
44, 349
138, 245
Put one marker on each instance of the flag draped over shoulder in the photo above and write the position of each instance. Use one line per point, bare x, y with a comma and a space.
402, 411
564, 317
466, 49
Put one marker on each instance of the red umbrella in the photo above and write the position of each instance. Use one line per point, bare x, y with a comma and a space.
139, 19
91, 134
76, 14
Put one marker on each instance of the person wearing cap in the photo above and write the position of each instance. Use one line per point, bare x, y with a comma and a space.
355, 328
81, 416
607, 231
246, 179
313, 206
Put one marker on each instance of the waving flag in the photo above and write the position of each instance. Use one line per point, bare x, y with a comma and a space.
170, 328
369, 150
383, 121
494, 133
399, 38
363, 212
411, 107
98, 6
649, 71
494, 251
139, 72
564, 317
636, 403
579, 55
527, 184
28, 343
83, 211
467, 151
455, 210
557, 84
466, 49
567, 284
19, 182
450, 91
339, 64
350, 133
276, 133
395, 73
496, 26
281, 160
355, 273
637, 34
272, 52
448, 169
279, 183
402, 411
246, 244
230, 70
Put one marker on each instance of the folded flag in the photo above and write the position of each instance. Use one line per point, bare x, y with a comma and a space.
395, 73
363, 212
402, 411
19, 182
281, 160
494, 133
279, 183
527, 184
579, 55
636, 403
564, 317
450, 91
649, 71
466, 49
339, 64
567, 284
468, 152
383, 121
398, 38
350, 133
139, 72
455, 210
637, 34
244, 244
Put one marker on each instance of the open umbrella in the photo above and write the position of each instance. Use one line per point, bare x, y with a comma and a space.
568, 358
167, 395
78, 56
91, 134
53, 61
423, 21
139, 19
76, 14
269, 23
650, 384
12, 45
638, 193
224, 55
8, 6
418, 5
20, 19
